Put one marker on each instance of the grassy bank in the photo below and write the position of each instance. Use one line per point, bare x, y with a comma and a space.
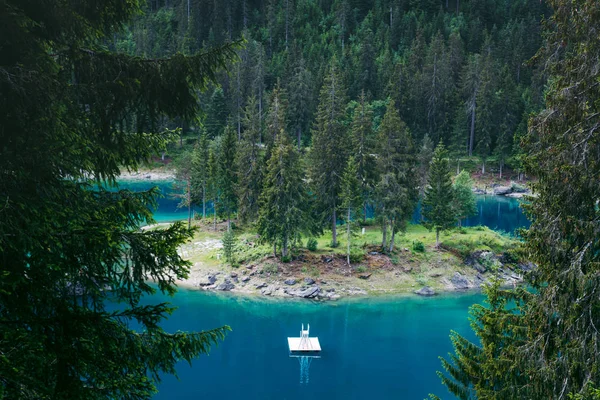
414, 263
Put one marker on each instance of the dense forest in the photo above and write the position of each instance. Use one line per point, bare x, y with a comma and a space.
457, 71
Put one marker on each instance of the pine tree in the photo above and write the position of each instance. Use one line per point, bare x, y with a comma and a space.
276, 116
216, 114
249, 164
73, 115
226, 175
284, 202
424, 157
351, 197
200, 172
330, 145
300, 91
362, 148
213, 192
465, 204
182, 186
229, 247
439, 196
396, 191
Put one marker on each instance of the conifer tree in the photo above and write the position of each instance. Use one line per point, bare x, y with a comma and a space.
213, 192
300, 91
363, 147
284, 202
74, 114
226, 175
216, 114
249, 164
439, 196
276, 116
464, 199
424, 157
396, 191
200, 172
330, 146
351, 197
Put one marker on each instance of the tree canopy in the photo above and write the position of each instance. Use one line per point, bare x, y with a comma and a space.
72, 115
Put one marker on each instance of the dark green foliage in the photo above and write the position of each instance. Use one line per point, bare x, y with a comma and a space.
284, 211
465, 204
226, 175
249, 164
330, 145
216, 114
418, 246
229, 246
311, 244
545, 346
351, 199
69, 111
439, 195
396, 190
200, 172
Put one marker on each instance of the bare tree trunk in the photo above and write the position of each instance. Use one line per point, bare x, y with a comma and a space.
188, 11
334, 229
275, 250
284, 249
260, 116
287, 17
457, 3
364, 212
228, 222
483, 167
392, 239
203, 201
348, 232
472, 136
215, 214
384, 234
299, 135
458, 166
437, 238
189, 204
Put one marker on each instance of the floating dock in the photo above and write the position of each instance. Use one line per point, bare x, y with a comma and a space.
304, 343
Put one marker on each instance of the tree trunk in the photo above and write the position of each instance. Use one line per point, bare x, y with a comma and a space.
275, 250
203, 201
457, 3
384, 234
365, 212
501, 167
260, 116
189, 204
437, 238
299, 135
458, 166
348, 237
483, 167
284, 247
228, 222
215, 214
472, 136
392, 239
334, 229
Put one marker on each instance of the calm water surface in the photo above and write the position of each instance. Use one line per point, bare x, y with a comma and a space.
496, 212
384, 348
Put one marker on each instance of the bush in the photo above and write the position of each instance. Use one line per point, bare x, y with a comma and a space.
286, 259
356, 255
311, 244
270, 268
229, 246
368, 222
361, 269
418, 246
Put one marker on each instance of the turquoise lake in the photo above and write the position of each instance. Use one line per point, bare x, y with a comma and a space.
496, 212
382, 348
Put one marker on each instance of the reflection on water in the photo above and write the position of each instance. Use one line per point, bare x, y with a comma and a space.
378, 348
496, 212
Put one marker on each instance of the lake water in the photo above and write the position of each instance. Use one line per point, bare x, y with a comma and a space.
497, 212
372, 348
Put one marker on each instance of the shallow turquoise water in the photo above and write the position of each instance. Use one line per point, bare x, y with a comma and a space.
372, 348
496, 212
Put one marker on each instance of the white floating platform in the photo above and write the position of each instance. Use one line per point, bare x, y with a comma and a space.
304, 345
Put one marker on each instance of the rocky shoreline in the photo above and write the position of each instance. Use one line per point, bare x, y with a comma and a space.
254, 280
514, 191
152, 175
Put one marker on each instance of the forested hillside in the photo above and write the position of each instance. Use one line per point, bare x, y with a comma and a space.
457, 71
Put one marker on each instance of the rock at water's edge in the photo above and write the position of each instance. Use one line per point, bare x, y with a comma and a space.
459, 281
425, 291
290, 281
